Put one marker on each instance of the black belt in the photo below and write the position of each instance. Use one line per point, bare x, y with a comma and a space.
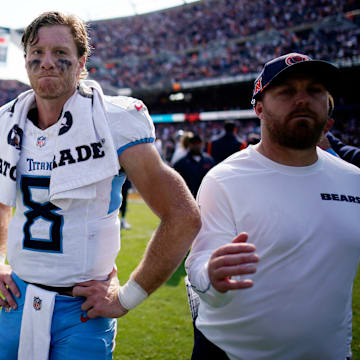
60, 290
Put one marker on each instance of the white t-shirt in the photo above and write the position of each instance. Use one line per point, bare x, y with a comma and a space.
56, 247
305, 224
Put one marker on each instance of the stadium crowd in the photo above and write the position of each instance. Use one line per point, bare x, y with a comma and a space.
218, 38
167, 134
210, 39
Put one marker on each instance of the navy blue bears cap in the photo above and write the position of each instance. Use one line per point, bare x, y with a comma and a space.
323, 71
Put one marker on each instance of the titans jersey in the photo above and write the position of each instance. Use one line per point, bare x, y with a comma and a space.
56, 247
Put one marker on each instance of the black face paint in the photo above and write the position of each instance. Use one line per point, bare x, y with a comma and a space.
64, 64
34, 64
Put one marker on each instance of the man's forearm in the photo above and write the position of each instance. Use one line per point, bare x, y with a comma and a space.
167, 249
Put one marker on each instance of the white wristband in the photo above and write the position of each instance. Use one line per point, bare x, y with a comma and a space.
131, 295
2, 258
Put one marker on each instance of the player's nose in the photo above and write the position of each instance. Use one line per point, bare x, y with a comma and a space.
47, 61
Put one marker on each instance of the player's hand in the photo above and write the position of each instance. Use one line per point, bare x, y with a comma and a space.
236, 258
6, 283
101, 297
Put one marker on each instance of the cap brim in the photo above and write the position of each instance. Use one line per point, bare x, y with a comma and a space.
323, 71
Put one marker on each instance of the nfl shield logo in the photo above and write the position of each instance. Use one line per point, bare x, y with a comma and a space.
37, 303
41, 140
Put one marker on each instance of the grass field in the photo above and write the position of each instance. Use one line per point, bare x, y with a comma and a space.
160, 328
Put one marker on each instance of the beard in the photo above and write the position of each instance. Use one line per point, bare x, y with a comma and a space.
298, 134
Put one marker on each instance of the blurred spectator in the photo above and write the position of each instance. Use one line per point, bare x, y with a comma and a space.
123, 208
332, 144
181, 146
226, 144
253, 138
348, 153
194, 165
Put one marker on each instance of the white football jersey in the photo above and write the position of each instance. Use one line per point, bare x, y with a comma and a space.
55, 247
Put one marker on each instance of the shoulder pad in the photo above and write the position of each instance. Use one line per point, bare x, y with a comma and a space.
127, 103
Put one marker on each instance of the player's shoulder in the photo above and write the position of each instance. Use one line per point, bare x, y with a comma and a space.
118, 104
124, 104
129, 120
129, 110
7, 108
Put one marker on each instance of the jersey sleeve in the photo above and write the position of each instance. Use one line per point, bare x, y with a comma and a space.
129, 121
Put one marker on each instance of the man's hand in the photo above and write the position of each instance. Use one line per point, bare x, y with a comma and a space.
6, 283
101, 297
233, 259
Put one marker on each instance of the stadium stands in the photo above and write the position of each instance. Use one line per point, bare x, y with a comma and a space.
213, 44
219, 38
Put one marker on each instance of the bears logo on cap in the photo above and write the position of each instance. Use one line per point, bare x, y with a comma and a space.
258, 85
295, 58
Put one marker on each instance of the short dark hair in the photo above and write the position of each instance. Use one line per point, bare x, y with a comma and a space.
195, 139
77, 27
229, 126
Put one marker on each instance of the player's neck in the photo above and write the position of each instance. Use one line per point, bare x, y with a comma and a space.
49, 111
287, 156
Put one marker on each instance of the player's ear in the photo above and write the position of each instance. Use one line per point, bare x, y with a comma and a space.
259, 109
329, 124
82, 62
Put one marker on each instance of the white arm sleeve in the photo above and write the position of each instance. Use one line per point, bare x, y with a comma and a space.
218, 228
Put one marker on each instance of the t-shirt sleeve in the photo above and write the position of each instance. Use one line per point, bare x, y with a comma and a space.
130, 122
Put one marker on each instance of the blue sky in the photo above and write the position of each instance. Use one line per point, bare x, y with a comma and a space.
18, 14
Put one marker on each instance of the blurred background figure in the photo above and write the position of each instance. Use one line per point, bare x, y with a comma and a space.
195, 164
181, 145
253, 139
123, 208
330, 143
226, 144
348, 153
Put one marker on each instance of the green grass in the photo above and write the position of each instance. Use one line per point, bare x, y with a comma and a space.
356, 318
160, 328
